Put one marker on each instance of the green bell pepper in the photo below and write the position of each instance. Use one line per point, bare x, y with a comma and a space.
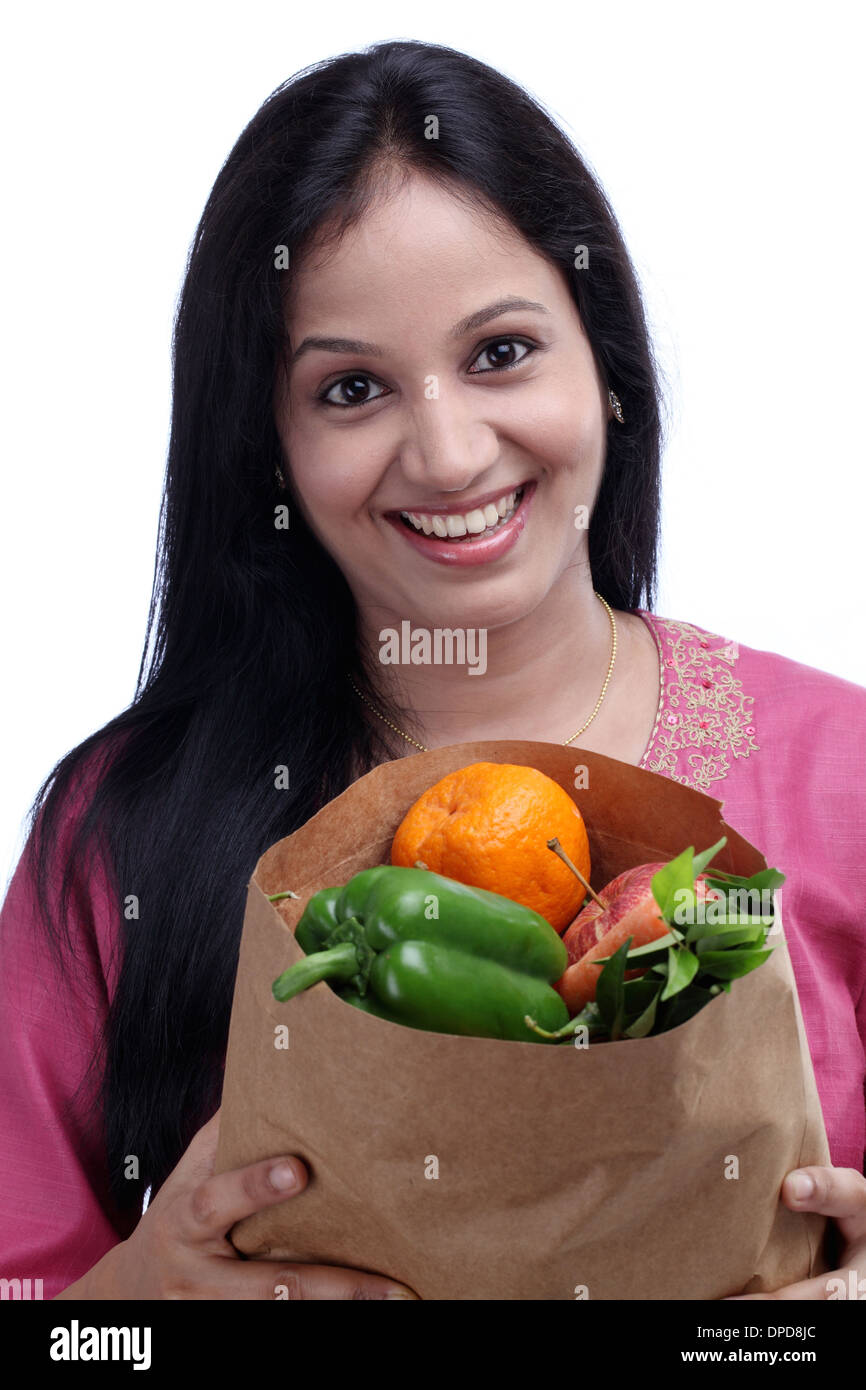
420, 949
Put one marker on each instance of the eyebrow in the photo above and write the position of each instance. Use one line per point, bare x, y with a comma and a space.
467, 325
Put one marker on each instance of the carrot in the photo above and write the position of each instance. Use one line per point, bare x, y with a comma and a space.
642, 922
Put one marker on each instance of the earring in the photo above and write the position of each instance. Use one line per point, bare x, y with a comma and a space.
615, 406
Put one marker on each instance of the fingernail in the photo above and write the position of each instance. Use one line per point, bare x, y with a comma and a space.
802, 1186
283, 1177
398, 1292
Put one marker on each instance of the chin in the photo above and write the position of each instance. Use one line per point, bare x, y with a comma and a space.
516, 601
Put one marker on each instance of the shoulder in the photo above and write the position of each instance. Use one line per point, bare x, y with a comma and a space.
62, 884
745, 722
689, 650
68, 797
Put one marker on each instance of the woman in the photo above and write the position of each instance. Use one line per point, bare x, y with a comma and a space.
408, 303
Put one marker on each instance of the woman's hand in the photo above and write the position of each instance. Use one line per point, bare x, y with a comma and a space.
840, 1193
180, 1247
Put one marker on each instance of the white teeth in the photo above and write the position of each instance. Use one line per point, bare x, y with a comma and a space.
452, 525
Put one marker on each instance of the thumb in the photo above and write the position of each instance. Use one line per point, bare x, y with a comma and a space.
836, 1192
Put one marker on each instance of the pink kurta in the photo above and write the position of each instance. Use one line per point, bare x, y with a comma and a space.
782, 745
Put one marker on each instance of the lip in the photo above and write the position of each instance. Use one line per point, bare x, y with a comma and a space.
443, 509
463, 553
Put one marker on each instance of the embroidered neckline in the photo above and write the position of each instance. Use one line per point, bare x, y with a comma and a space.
703, 717
648, 619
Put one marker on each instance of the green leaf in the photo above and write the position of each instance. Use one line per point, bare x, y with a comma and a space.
764, 878
699, 930
645, 1021
738, 906
683, 1007
641, 1000
637, 994
682, 968
732, 936
685, 909
702, 860
732, 965
671, 879
640, 953
609, 991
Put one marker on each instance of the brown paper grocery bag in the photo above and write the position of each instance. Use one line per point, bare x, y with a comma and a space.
476, 1168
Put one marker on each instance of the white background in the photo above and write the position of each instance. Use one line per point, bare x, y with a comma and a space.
728, 140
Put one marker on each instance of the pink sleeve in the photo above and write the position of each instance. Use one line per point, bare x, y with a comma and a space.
56, 1215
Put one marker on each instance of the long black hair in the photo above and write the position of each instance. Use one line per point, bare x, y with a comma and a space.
252, 627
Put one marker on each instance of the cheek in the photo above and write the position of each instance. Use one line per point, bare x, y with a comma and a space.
565, 432
332, 484
330, 499
315, 467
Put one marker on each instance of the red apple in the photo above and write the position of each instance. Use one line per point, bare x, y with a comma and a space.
630, 910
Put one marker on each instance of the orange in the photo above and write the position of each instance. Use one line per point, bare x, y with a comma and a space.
488, 825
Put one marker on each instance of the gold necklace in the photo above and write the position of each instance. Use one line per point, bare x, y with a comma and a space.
424, 749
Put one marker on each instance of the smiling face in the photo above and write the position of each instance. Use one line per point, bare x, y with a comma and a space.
450, 409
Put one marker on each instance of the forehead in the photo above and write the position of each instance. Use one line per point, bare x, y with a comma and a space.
417, 242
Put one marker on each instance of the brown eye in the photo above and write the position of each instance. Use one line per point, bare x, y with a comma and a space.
352, 387
493, 351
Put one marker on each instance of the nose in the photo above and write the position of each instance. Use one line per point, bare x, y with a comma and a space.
447, 448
